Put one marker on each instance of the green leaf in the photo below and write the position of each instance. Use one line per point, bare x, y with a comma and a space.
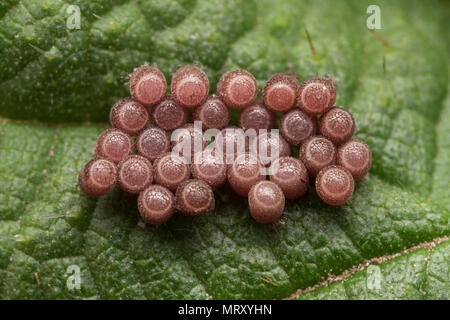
57, 86
420, 274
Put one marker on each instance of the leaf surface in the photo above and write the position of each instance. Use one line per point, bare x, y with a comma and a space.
56, 88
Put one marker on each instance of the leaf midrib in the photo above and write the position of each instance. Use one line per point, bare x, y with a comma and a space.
429, 245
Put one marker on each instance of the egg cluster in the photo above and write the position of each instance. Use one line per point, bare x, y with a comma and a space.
172, 166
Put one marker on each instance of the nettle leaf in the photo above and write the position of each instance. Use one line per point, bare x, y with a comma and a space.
394, 80
420, 274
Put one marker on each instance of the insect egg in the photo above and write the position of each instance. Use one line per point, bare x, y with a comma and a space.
356, 157
194, 197
187, 141
97, 177
135, 174
152, 142
244, 173
270, 146
291, 175
316, 153
213, 114
233, 141
170, 170
129, 115
147, 85
296, 126
316, 95
156, 204
210, 168
266, 202
237, 88
334, 185
280, 92
190, 86
256, 116
337, 124
113, 144
169, 115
